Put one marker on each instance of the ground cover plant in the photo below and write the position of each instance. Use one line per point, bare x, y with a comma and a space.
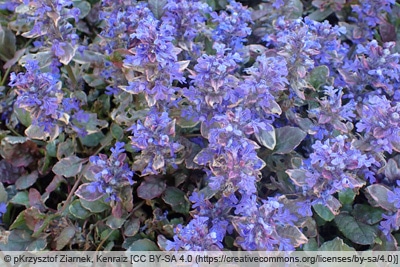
199, 125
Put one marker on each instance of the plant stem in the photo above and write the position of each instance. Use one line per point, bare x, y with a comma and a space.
71, 193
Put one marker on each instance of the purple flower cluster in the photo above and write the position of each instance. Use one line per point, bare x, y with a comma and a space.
111, 174
196, 236
154, 139
260, 226
256, 137
373, 66
50, 20
391, 222
39, 94
188, 19
334, 165
306, 44
380, 123
367, 15
232, 26
331, 114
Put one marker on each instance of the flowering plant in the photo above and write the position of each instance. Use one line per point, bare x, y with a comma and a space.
199, 125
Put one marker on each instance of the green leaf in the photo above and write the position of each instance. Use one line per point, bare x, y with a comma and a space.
21, 198
23, 116
357, 232
151, 187
295, 8
157, 7
94, 206
114, 222
51, 149
143, 245
17, 240
36, 132
287, 139
38, 244
3, 193
319, 76
116, 131
92, 140
132, 227
65, 149
311, 245
324, 212
84, 193
7, 44
89, 57
65, 237
292, 233
177, 199
84, 8
392, 171
378, 196
336, 244
266, 138
78, 211
367, 214
68, 167
298, 176
110, 234
69, 53
26, 181
347, 196
319, 15
185, 123
19, 222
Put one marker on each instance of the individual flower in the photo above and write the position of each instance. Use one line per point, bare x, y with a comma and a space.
3, 209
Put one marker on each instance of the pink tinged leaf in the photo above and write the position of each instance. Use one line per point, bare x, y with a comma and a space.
117, 210
333, 205
378, 197
35, 199
151, 187
298, 176
379, 132
65, 237
88, 192
324, 119
340, 126
33, 218
388, 32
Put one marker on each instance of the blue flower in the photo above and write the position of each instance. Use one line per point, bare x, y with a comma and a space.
3, 209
